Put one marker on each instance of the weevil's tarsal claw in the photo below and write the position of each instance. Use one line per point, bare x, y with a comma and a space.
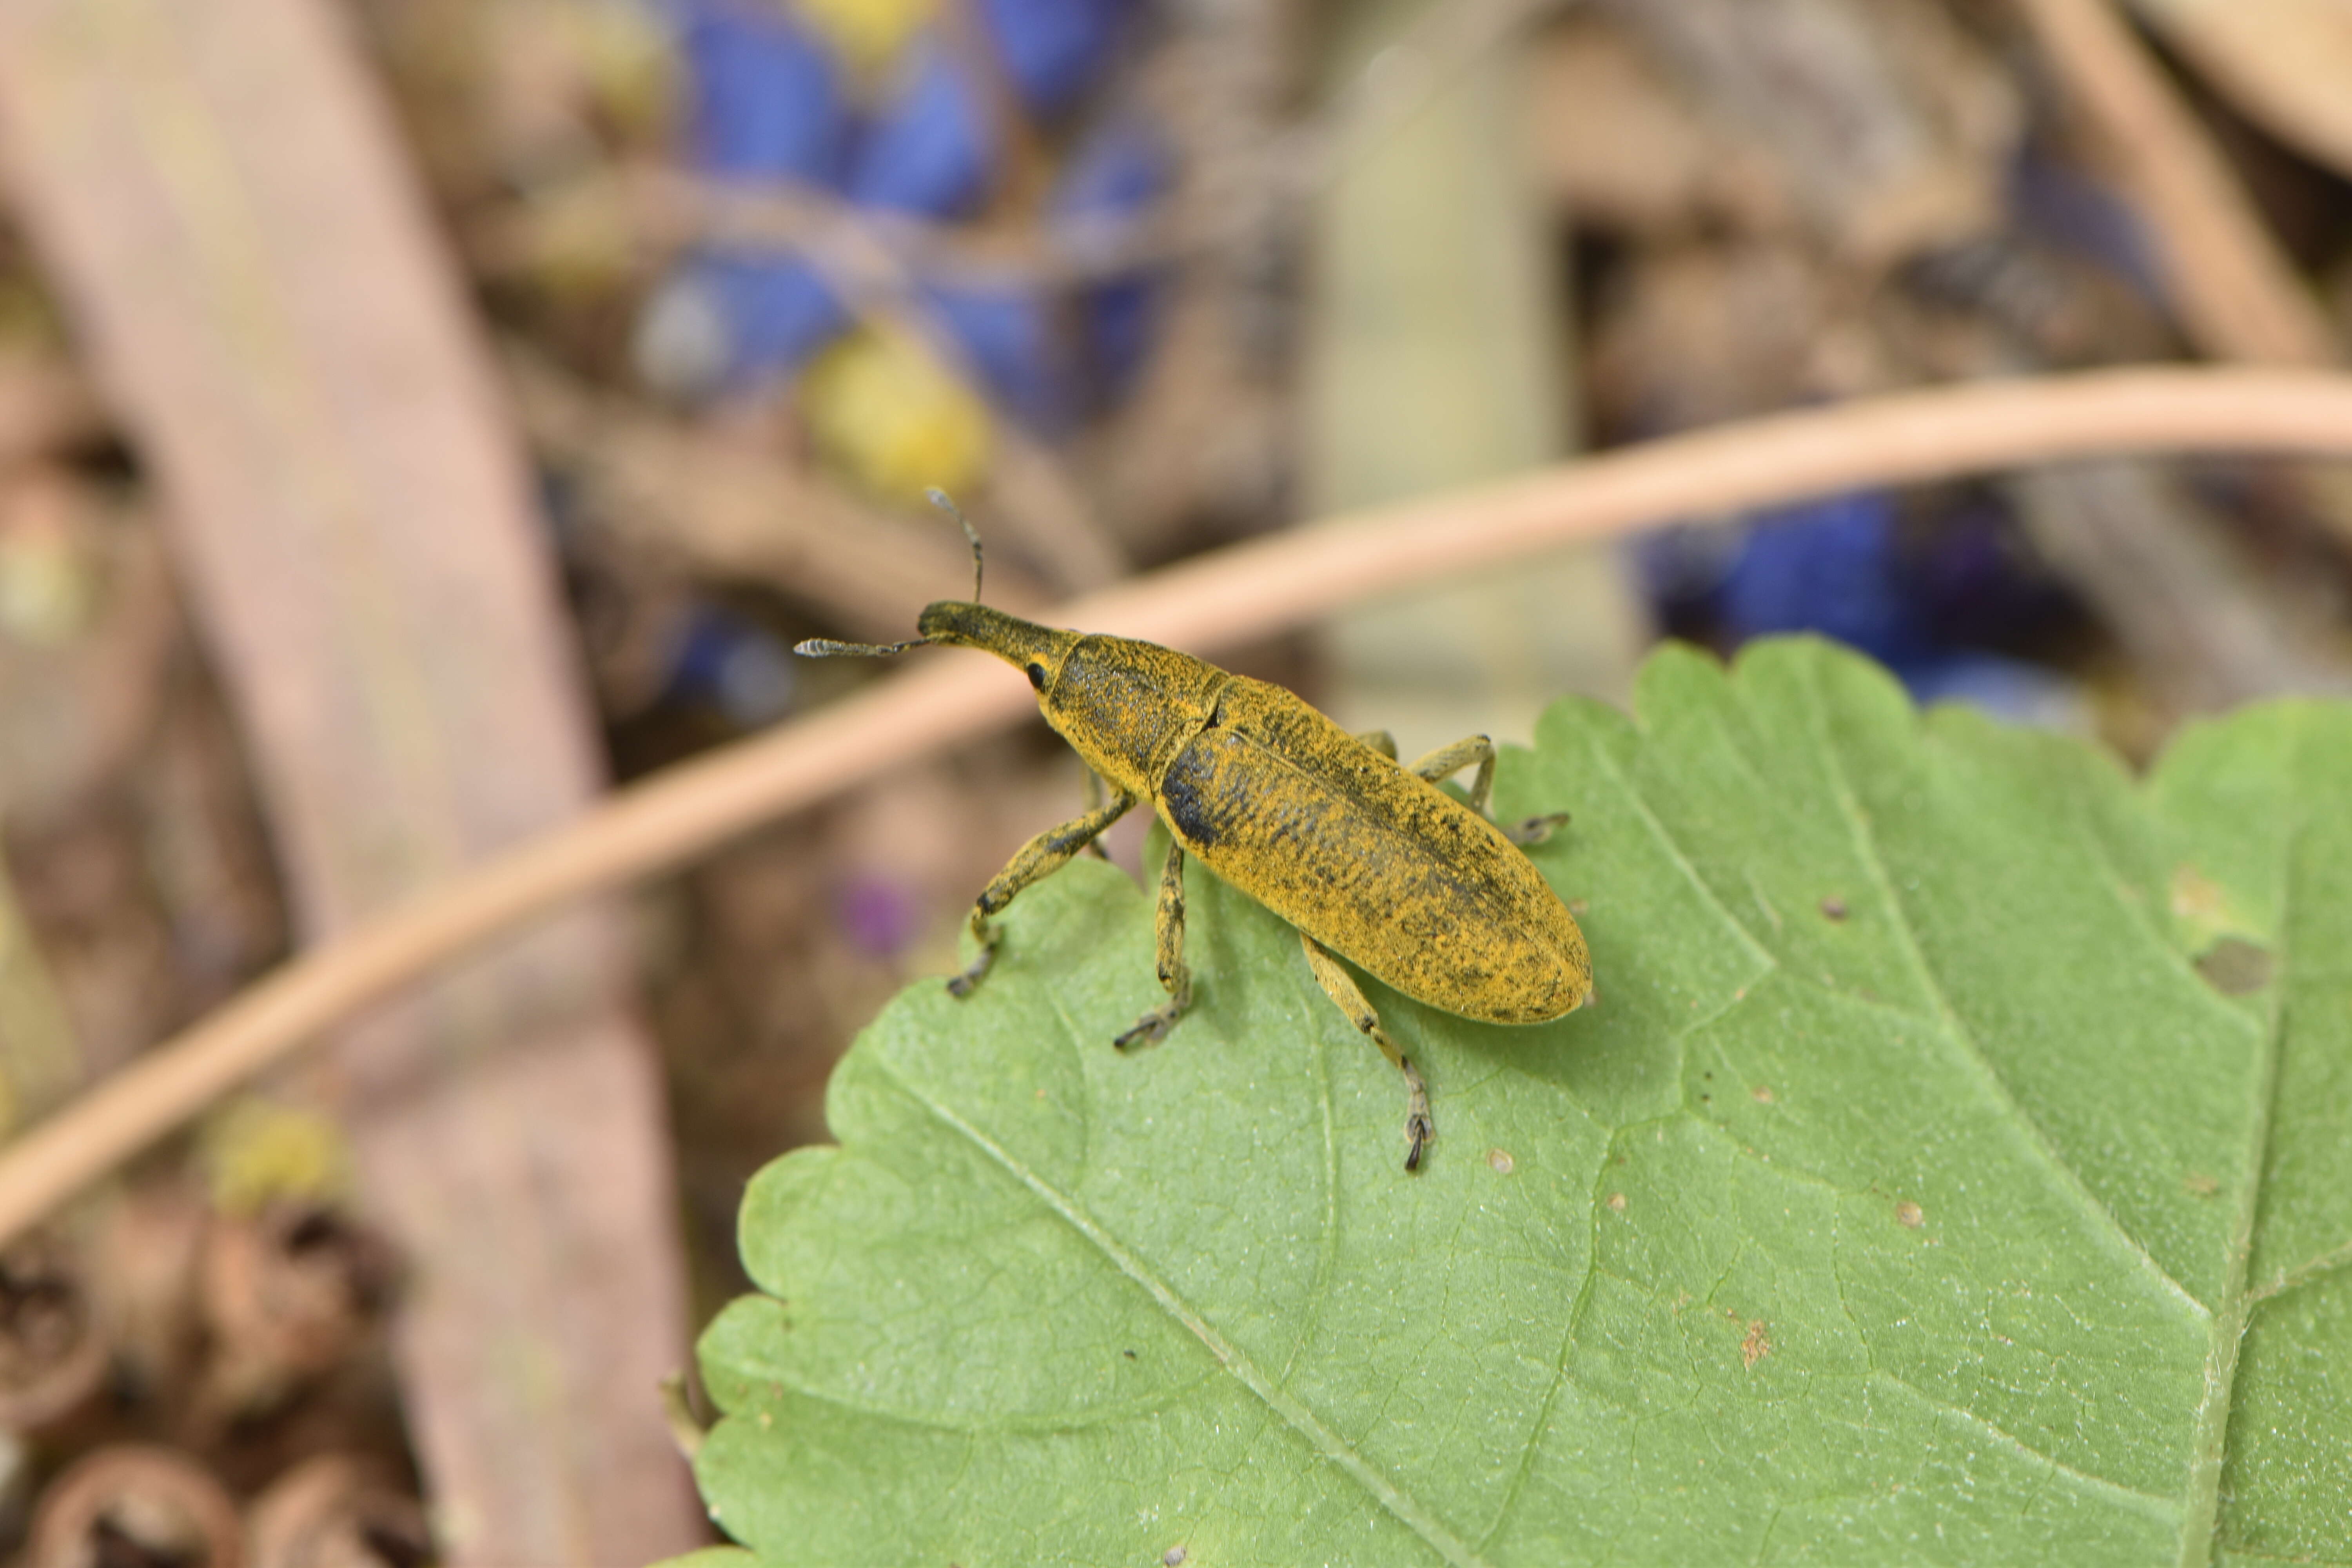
1535, 829
961, 984
826, 648
1153, 1027
1148, 1030
1419, 1130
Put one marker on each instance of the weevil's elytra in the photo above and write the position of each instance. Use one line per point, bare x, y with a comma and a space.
1366, 859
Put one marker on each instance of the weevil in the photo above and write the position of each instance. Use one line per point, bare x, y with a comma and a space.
1366, 859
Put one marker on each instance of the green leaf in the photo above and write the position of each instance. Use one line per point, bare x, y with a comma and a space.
1957, 1166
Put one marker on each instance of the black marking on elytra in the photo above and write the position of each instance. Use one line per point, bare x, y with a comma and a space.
1187, 810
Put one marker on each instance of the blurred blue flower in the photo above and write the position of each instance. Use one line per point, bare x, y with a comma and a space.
1831, 567
1009, 335
1053, 49
766, 99
930, 148
769, 103
1116, 176
734, 666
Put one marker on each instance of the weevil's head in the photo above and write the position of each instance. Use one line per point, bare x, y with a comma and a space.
1038, 652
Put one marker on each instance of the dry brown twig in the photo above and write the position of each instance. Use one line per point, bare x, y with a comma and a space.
1249, 591
2238, 295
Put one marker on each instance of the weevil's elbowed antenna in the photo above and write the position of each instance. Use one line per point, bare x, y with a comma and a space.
939, 498
826, 648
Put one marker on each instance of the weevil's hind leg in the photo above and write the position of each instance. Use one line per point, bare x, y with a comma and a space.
1041, 857
1447, 761
1380, 740
1094, 798
1341, 987
1153, 1027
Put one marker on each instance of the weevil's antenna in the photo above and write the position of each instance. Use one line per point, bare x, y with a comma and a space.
939, 498
826, 648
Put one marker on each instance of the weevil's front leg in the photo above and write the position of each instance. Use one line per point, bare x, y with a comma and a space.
1153, 1027
1341, 987
1446, 761
1041, 857
1380, 740
1094, 798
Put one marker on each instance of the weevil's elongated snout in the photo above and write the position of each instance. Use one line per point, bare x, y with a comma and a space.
1040, 651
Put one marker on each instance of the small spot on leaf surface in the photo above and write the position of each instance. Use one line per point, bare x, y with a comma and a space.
2236, 968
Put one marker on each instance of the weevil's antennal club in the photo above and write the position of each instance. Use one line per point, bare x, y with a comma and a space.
826, 648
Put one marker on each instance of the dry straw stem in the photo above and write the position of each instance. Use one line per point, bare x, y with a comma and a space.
1214, 601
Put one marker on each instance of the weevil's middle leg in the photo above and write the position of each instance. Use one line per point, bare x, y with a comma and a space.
1040, 858
1380, 740
1153, 1027
1447, 761
1341, 987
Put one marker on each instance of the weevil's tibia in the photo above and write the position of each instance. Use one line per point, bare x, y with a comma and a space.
1153, 1027
1041, 857
1447, 761
1479, 749
1341, 987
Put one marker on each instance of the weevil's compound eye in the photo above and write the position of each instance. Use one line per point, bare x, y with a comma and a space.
1037, 676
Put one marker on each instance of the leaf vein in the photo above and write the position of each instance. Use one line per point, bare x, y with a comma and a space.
2310, 1273
1666, 840
2153, 1504
1319, 1290
1865, 848
1566, 1348
1159, 1401
1399, 1504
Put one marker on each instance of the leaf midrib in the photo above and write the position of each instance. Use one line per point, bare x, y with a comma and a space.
2201, 1524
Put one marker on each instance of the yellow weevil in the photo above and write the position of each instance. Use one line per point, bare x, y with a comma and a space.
1366, 859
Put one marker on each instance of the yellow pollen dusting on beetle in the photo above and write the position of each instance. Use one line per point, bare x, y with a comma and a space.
1368, 858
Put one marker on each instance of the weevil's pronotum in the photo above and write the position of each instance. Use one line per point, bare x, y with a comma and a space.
1366, 859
